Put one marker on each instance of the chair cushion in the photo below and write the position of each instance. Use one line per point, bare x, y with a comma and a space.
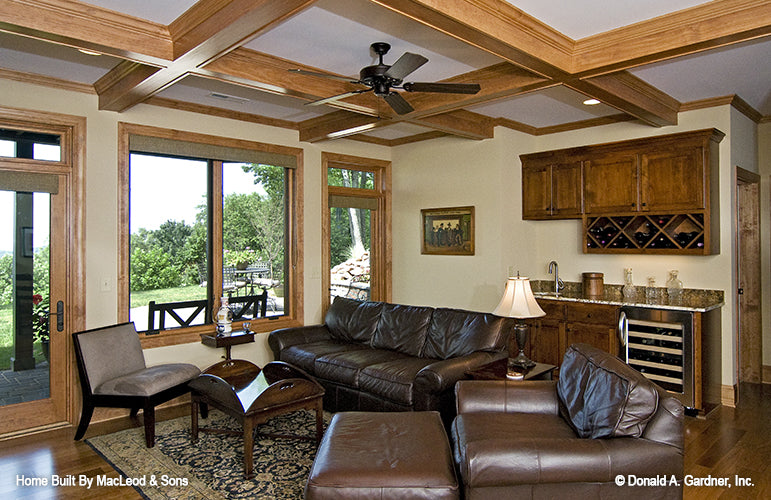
149, 381
349, 319
110, 352
454, 333
601, 396
403, 328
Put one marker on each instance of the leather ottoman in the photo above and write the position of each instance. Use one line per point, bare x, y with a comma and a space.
390, 455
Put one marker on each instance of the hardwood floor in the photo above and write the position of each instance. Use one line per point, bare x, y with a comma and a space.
729, 442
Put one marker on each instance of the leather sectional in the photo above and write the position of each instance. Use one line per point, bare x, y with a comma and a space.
376, 356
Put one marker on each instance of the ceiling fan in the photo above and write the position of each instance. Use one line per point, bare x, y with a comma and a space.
382, 79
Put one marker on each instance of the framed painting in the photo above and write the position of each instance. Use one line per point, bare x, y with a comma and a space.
447, 231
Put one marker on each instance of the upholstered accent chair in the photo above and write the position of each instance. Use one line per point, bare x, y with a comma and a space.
113, 374
571, 438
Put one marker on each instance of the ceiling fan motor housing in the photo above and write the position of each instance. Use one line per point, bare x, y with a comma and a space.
374, 77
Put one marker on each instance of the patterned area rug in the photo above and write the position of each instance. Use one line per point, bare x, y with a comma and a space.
213, 468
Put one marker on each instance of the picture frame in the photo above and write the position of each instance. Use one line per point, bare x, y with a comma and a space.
447, 231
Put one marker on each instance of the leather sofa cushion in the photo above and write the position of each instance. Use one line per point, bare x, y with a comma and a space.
504, 449
344, 367
392, 380
601, 396
304, 355
454, 333
354, 320
403, 328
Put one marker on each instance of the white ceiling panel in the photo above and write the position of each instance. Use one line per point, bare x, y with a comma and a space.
242, 99
398, 131
43, 58
157, 11
544, 108
737, 69
335, 35
581, 18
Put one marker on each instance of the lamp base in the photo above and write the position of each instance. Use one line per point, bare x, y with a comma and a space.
521, 361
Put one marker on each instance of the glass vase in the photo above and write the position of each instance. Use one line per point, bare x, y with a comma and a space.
674, 288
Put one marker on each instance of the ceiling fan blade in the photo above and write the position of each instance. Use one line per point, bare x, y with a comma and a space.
398, 103
405, 65
323, 75
443, 88
336, 97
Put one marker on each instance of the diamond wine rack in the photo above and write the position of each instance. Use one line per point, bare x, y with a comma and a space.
673, 233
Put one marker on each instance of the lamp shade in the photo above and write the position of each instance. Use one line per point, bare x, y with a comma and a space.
518, 300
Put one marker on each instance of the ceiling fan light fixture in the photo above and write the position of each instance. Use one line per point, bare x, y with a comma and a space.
592, 102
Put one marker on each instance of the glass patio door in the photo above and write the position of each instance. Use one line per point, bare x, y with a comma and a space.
32, 281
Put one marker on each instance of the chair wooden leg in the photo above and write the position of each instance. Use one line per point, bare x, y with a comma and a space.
85, 419
194, 420
134, 412
149, 417
204, 410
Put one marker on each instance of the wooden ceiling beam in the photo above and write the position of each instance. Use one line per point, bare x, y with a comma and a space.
631, 95
89, 27
702, 27
460, 123
207, 31
336, 125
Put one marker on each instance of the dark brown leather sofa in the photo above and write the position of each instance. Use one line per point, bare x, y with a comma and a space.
376, 356
602, 422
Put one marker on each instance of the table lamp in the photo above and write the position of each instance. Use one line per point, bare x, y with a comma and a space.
518, 302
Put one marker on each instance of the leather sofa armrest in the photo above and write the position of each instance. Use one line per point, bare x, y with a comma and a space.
443, 374
526, 396
286, 337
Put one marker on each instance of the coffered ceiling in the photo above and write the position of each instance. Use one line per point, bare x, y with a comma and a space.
536, 61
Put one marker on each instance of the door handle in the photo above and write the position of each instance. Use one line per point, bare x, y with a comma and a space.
60, 316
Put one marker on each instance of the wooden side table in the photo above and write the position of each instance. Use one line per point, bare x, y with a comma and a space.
227, 341
498, 370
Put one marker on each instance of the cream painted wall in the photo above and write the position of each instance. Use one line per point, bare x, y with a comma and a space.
764, 169
487, 174
102, 191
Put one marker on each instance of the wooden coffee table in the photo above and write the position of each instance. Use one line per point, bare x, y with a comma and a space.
253, 395
498, 370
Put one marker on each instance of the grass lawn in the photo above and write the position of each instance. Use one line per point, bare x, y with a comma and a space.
178, 294
6, 339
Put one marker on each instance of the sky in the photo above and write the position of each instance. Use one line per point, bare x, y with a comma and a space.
172, 188
167, 189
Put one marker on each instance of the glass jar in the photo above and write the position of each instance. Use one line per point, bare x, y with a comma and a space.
651, 293
629, 291
223, 317
674, 288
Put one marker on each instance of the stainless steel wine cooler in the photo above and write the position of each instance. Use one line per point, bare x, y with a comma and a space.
659, 343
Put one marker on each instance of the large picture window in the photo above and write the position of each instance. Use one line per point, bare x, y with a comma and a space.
207, 218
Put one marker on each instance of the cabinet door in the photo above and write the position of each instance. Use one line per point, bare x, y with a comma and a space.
600, 336
545, 343
611, 183
673, 180
567, 192
536, 192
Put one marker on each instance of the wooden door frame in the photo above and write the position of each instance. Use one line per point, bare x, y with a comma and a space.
70, 170
748, 343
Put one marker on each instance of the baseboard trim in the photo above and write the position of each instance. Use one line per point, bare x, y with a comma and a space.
728, 395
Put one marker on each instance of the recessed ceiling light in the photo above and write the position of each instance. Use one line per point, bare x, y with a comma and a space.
89, 52
591, 102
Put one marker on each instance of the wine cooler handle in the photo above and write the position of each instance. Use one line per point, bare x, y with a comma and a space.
623, 333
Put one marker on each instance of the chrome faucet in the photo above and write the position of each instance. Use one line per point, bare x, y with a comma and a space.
558, 284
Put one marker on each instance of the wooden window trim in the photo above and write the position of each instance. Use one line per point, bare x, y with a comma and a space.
381, 225
294, 237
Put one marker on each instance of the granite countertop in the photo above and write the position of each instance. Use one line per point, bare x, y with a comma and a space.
693, 300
